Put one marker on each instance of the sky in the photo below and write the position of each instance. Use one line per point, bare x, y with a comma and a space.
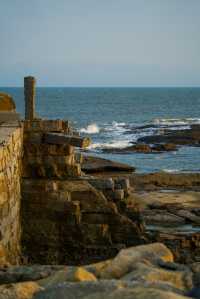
100, 42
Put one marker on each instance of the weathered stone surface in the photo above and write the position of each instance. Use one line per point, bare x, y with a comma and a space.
51, 170
32, 138
24, 290
72, 274
10, 192
172, 218
10, 118
42, 149
29, 95
6, 102
163, 180
39, 125
110, 289
125, 260
14, 274
59, 138
78, 290
136, 293
147, 272
102, 184
77, 222
3, 256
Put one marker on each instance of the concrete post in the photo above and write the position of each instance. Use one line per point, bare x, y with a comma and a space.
29, 96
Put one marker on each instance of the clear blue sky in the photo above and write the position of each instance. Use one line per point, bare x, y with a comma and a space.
100, 42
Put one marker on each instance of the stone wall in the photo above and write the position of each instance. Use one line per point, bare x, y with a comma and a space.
67, 217
10, 189
70, 222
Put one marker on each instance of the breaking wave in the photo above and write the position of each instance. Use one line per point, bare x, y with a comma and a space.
110, 145
120, 135
91, 129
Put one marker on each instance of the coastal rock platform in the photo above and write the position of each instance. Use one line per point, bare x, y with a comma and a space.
135, 272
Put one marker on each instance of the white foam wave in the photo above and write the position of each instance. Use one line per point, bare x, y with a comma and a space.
170, 170
110, 145
91, 129
176, 121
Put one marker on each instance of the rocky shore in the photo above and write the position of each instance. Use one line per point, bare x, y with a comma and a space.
136, 272
77, 226
161, 140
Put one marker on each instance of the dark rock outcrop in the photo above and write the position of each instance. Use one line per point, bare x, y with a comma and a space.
142, 148
179, 137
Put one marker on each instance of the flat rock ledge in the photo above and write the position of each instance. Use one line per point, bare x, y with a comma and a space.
93, 165
135, 272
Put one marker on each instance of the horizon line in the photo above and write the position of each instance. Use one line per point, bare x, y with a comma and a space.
107, 86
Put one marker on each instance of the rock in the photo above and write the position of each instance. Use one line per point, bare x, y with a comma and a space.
6, 102
126, 258
139, 148
178, 137
188, 215
142, 148
72, 274
78, 290
96, 165
162, 217
136, 293
3, 256
118, 195
150, 273
167, 147
164, 180
96, 268
24, 290
15, 274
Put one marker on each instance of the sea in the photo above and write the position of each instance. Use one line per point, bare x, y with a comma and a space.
113, 118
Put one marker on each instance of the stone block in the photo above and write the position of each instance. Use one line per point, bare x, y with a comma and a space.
49, 160
33, 138
102, 184
122, 183
100, 218
41, 149
11, 117
39, 125
29, 185
118, 194
59, 138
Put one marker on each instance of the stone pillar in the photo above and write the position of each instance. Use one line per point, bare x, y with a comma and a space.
29, 95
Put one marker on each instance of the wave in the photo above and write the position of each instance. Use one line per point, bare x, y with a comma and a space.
176, 121
91, 129
109, 145
120, 134
170, 170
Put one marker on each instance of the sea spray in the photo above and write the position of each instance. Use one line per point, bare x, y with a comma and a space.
91, 129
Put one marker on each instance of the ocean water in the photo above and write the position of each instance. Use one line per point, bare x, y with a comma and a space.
111, 117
